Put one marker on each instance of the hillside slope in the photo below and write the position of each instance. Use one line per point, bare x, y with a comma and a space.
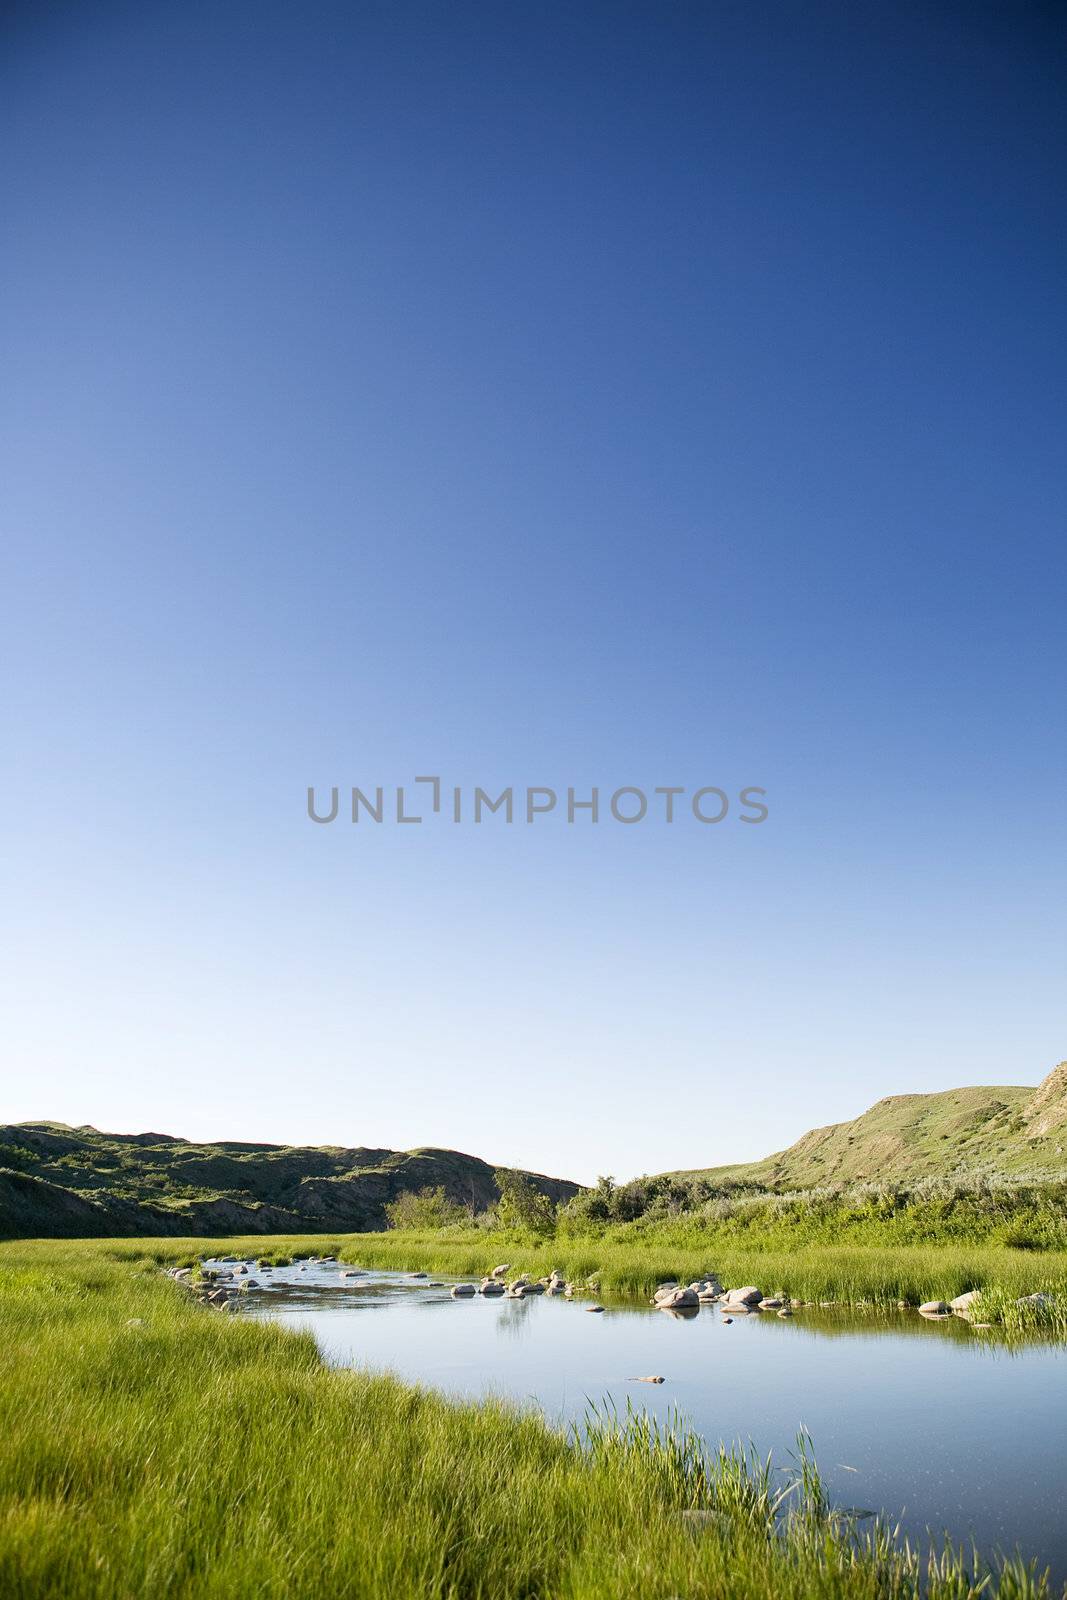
1008, 1129
60, 1182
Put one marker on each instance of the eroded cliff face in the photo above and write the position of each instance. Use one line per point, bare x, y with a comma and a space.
1046, 1113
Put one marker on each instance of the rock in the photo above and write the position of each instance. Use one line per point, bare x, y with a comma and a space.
1035, 1300
594, 1308
242, 1270
435, 1285
964, 1302
773, 1304
934, 1308
501, 1271
648, 1380
417, 1274
492, 1287
534, 1288
748, 1296
786, 1311
463, 1291
677, 1300
727, 1319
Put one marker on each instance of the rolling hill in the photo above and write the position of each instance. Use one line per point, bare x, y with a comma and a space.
65, 1182
1007, 1129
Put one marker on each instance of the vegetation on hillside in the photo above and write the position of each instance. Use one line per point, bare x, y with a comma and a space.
150, 1447
77, 1182
1010, 1130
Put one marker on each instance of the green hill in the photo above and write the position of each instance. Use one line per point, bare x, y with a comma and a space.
65, 1182
1006, 1129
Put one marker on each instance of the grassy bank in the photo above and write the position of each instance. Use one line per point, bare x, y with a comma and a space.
628, 1261
623, 1262
149, 1447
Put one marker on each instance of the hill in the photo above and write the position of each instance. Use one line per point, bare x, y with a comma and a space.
1007, 1129
61, 1182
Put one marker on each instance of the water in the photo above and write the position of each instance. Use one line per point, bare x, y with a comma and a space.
934, 1425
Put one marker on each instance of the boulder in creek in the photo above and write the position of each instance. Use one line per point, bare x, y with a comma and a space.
492, 1287
417, 1274
934, 1308
749, 1295
653, 1379
677, 1300
463, 1291
773, 1304
594, 1308
965, 1302
1036, 1300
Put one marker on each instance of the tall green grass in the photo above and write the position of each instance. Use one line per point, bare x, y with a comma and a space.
621, 1262
150, 1447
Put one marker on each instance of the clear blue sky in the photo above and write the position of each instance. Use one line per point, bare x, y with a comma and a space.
601, 394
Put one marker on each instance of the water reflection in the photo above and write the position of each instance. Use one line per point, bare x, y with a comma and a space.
920, 1420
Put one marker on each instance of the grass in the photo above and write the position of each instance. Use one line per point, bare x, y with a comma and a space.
631, 1259
149, 1446
633, 1265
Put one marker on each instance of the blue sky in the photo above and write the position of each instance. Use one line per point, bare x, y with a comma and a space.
559, 395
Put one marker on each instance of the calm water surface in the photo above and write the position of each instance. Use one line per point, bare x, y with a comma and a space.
940, 1428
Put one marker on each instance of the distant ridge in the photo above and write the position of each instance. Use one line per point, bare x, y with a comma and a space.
63, 1182
1008, 1129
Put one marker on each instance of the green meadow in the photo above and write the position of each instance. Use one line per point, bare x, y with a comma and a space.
151, 1446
